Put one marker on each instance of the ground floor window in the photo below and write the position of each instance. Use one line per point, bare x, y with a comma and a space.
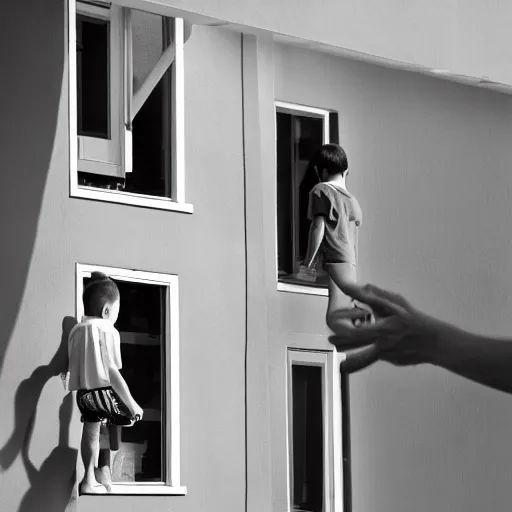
315, 432
148, 459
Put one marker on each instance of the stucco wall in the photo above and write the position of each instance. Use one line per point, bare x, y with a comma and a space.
430, 164
44, 232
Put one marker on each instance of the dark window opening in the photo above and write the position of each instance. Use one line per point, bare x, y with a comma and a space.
141, 325
92, 59
298, 137
152, 157
307, 439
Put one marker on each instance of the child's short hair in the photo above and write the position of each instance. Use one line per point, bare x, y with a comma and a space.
332, 158
99, 291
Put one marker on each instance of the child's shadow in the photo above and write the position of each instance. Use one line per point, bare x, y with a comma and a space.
28, 394
51, 487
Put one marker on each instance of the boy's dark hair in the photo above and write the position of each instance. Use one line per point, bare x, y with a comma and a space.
100, 290
332, 158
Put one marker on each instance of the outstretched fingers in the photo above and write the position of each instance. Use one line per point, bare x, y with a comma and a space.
380, 300
383, 326
353, 337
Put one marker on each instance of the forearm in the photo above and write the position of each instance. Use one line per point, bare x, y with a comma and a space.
121, 388
344, 276
485, 360
316, 236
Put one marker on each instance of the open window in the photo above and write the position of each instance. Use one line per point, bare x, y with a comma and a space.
126, 105
300, 131
315, 432
148, 459
99, 80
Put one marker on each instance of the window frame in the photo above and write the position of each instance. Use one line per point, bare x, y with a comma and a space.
105, 153
318, 113
329, 362
171, 452
121, 25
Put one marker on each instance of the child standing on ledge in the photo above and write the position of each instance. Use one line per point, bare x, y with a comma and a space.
335, 217
103, 397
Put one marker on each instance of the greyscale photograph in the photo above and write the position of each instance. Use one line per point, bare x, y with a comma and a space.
255, 256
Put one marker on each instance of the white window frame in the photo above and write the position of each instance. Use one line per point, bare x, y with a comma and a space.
101, 154
172, 484
329, 362
93, 152
319, 113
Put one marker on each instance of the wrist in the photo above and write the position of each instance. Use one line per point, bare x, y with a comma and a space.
450, 343
435, 340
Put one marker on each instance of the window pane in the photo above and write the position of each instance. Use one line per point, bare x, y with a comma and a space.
284, 194
92, 56
307, 439
152, 156
298, 137
141, 325
308, 139
147, 44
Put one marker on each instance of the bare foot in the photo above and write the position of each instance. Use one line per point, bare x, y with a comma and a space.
104, 477
91, 488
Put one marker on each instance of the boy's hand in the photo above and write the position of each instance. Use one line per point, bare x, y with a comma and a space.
306, 274
137, 412
367, 316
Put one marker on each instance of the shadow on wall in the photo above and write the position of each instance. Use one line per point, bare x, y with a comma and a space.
27, 396
32, 61
52, 485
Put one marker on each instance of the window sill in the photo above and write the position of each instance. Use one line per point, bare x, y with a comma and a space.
291, 286
147, 489
115, 196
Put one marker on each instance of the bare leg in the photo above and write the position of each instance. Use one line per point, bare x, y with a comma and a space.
89, 448
114, 437
341, 314
340, 310
103, 473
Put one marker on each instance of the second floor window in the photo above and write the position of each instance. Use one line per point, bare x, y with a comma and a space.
126, 105
300, 131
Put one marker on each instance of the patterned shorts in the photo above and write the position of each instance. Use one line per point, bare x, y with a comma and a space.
102, 404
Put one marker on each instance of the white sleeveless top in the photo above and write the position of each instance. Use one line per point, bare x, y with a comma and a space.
94, 346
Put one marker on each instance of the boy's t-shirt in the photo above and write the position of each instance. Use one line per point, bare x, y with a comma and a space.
94, 346
343, 217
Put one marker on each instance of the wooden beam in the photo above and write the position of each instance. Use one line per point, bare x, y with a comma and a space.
151, 81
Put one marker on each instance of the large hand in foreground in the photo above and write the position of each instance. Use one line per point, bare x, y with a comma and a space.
405, 335
345, 324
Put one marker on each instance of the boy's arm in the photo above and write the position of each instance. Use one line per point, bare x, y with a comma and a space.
307, 270
121, 388
111, 354
316, 236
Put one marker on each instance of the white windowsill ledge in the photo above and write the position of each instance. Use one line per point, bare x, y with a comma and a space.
147, 489
303, 289
116, 196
